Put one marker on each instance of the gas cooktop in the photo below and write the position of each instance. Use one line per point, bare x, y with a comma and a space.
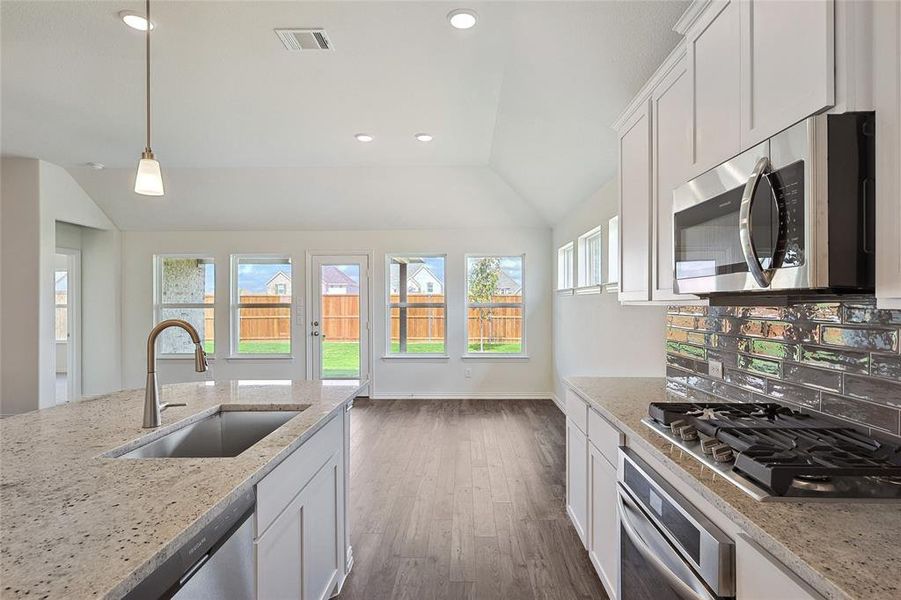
773, 452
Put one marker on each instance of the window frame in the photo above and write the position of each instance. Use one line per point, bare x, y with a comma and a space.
402, 306
564, 272
467, 354
611, 280
585, 285
57, 306
235, 306
159, 305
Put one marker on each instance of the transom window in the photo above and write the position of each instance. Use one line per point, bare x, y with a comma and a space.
590, 266
261, 300
417, 304
495, 304
565, 267
184, 288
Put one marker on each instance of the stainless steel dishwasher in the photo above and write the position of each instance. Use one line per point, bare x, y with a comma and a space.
215, 564
668, 550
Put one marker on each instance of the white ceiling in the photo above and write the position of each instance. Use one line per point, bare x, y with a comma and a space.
520, 107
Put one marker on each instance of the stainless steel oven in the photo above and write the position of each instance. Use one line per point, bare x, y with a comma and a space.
795, 212
668, 550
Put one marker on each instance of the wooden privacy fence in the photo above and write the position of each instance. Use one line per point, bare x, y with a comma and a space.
341, 320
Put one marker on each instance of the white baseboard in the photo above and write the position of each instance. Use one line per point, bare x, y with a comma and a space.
497, 396
559, 403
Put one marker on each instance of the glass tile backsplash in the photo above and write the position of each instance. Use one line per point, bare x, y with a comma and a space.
841, 359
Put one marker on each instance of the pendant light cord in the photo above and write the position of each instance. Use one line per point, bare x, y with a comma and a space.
148, 75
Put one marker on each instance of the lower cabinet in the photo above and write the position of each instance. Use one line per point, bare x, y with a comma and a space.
301, 547
577, 479
602, 520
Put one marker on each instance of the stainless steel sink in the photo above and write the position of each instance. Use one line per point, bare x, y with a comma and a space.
226, 433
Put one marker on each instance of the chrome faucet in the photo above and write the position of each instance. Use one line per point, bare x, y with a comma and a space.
152, 406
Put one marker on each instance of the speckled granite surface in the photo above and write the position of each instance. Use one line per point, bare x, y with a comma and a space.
843, 550
74, 524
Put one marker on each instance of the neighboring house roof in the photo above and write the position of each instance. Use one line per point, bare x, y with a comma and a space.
508, 284
332, 276
418, 272
276, 276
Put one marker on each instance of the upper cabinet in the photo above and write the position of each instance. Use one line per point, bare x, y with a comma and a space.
787, 64
635, 205
714, 66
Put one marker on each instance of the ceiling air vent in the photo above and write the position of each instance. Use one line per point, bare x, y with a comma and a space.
304, 39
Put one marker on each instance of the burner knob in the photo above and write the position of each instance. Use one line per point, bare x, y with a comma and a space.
722, 453
707, 445
676, 425
688, 433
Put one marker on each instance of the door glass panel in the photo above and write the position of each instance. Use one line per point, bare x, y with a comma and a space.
340, 321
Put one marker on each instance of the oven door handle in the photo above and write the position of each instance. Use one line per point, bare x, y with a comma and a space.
761, 276
637, 530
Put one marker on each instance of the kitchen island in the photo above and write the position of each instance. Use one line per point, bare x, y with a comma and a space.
78, 522
842, 550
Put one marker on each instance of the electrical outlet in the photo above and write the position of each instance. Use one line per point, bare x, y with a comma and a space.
715, 369
467, 373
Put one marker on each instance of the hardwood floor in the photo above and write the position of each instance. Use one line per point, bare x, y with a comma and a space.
462, 499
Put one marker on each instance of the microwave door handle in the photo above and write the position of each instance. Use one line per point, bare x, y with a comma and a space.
744, 223
626, 508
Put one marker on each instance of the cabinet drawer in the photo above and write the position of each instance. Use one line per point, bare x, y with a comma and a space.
605, 437
577, 410
277, 489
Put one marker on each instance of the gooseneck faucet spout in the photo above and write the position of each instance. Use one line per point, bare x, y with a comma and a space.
152, 406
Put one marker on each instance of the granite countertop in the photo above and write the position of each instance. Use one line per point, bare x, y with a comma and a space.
843, 550
76, 524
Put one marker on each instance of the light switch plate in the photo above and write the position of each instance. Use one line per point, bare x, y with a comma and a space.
715, 369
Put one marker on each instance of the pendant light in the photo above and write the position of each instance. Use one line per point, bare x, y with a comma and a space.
149, 179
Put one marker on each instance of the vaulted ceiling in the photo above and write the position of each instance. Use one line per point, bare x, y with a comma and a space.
252, 135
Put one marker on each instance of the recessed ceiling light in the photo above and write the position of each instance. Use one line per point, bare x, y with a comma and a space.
462, 18
135, 20
423, 137
95, 165
364, 137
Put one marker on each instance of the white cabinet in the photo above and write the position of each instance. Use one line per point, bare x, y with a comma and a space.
761, 576
887, 98
671, 150
635, 205
299, 555
602, 523
301, 543
577, 478
714, 67
787, 64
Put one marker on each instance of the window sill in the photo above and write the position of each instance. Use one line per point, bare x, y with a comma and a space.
613, 286
415, 357
564, 291
260, 357
489, 356
588, 289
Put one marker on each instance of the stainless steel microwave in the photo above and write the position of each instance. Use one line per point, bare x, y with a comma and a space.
796, 212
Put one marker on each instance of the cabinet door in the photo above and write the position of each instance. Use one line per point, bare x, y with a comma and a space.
671, 119
714, 60
787, 64
298, 556
635, 207
761, 576
577, 478
602, 534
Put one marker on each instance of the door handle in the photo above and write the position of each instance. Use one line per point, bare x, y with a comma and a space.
761, 276
315, 323
315, 333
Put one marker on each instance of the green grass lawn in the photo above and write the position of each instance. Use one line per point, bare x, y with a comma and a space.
341, 360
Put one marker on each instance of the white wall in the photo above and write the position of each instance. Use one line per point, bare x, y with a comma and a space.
594, 335
391, 378
35, 196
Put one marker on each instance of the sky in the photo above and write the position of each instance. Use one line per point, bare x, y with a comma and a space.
511, 265
253, 277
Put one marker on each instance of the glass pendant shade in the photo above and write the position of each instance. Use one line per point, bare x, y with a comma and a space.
149, 180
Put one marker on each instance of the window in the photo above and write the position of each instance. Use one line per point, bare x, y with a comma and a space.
590, 258
565, 267
62, 305
494, 305
261, 306
184, 289
416, 320
613, 250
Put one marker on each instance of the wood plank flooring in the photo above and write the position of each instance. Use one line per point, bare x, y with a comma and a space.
454, 499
